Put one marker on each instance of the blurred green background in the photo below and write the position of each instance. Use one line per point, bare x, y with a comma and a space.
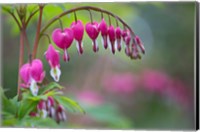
155, 92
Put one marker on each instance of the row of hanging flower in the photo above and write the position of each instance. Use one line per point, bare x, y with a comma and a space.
111, 37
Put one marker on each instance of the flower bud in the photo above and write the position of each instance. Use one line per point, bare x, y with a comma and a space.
139, 42
104, 31
118, 36
112, 37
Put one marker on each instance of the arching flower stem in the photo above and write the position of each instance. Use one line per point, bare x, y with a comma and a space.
46, 35
86, 8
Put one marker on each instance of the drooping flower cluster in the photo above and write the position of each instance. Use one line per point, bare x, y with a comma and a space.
49, 108
32, 72
111, 37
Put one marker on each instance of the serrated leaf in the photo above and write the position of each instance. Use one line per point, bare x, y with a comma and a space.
26, 106
7, 104
50, 86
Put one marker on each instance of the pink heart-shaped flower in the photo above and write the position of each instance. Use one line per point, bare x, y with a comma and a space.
92, 30
78, 30
63, 39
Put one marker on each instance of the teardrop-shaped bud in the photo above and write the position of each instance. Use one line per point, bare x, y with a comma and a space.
139, 42
118, 36
112, 37
104, 31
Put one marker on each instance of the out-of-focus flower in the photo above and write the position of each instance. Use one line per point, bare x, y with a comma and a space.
53, 59
121, 83
33, 114
90, 97
78, 30
32, 73
63, 39
42, 109
178, 91
60, 114
155, 80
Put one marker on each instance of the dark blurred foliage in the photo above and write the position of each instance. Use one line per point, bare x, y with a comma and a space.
167, 30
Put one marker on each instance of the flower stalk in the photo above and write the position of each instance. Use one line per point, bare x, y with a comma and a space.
38, 32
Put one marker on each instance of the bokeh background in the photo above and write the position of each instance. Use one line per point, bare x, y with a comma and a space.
156, 92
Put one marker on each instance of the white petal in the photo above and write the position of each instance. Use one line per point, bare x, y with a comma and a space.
115, 45
102, 42
77, 46
33, 87
44, 113
55, 73
64, 117
110, 46
53, 112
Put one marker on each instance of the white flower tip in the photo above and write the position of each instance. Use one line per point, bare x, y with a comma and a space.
55, 73
34, 88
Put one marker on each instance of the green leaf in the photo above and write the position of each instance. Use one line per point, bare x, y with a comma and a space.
38, 98
26, 106
61, 6
69, 104
38, 122
8, 105
50, 86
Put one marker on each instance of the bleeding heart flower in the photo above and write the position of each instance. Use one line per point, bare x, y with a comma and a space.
112, 37
125, 33
104, 32
118, 36
50, 101
63, 39
60, 114
93, 32
127, 39
139, 42
135, 53
33, 114
42, 109
78, 30
53, 59
32, 73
